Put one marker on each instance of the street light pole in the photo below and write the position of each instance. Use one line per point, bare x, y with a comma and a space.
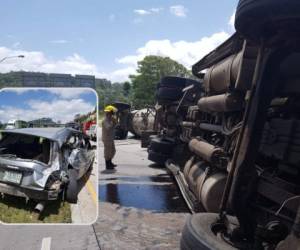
8, 57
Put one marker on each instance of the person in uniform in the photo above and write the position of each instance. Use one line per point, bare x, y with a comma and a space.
108, 134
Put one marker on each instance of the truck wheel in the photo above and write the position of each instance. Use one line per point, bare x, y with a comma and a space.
162, 146
260, 19
120, 134
157, 157
197, 233
176, 82
72, 187
169, 94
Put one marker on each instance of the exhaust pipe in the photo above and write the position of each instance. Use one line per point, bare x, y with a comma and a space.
40, 207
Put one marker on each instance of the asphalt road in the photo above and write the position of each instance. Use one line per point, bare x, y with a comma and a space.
139, 183
140, 205
140, 208
47, 237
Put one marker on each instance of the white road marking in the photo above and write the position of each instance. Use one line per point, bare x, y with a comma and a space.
46, 243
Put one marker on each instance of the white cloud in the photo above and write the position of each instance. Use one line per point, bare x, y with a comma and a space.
186, 53
60, 41
58, 110
142, 12
67, 93
122, 74
231, 22
179, 10
156, 10
37, 61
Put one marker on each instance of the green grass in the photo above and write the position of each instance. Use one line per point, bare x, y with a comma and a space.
15, 210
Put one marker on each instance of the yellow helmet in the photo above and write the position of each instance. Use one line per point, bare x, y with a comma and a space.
110, 108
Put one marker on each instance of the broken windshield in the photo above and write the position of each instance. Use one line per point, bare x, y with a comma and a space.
25, 147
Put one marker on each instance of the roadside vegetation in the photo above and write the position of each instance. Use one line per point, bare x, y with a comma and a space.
15, 210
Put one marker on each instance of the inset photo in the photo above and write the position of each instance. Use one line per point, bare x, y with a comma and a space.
48, 155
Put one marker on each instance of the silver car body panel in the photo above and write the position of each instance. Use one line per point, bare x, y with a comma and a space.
35, 174
81, 159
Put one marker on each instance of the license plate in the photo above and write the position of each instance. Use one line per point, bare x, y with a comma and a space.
11, 176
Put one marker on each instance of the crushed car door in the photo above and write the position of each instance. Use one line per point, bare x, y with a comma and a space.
82, 155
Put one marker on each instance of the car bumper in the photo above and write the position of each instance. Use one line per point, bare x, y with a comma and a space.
29, 193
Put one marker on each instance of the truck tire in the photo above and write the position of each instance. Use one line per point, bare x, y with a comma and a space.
120, 134
176, 82
169, 94
162, 146
72, 187
158, 158
197, 233
257, 19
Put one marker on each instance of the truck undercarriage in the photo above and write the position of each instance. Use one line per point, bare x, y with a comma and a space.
235, 148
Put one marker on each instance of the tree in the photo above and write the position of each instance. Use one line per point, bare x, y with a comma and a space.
109, 93
150, 70
126, 89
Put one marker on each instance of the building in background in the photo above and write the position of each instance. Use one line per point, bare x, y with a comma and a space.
60, 80
42, 123
87, 81
33, 79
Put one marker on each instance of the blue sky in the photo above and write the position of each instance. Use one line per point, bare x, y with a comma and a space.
58, 104
93, 36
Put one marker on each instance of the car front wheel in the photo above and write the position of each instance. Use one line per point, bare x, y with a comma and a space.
72, 187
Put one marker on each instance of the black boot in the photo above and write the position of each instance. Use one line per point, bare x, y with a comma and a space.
109, 165
114, 165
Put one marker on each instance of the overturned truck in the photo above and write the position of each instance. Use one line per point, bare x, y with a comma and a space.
133, 121
234, 146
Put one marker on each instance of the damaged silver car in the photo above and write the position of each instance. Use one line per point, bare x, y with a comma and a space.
42, 163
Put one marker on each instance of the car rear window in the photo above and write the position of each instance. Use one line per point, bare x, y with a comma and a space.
25, 146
